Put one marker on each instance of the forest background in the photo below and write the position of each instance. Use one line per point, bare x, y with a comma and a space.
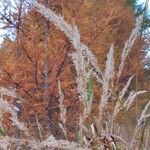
36, 64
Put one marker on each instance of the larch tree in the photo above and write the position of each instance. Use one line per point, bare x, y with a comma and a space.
43, 60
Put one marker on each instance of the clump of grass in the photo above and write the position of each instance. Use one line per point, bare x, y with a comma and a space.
103, 133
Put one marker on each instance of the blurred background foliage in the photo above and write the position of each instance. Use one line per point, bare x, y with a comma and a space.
37, 56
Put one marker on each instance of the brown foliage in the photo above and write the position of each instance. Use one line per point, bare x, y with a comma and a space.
101, 23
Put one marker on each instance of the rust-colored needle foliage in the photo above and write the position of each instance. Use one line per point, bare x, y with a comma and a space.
44, 59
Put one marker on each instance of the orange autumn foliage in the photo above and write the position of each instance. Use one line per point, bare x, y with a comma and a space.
101, 23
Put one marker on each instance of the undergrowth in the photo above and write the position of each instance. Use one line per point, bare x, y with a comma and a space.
105, 132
